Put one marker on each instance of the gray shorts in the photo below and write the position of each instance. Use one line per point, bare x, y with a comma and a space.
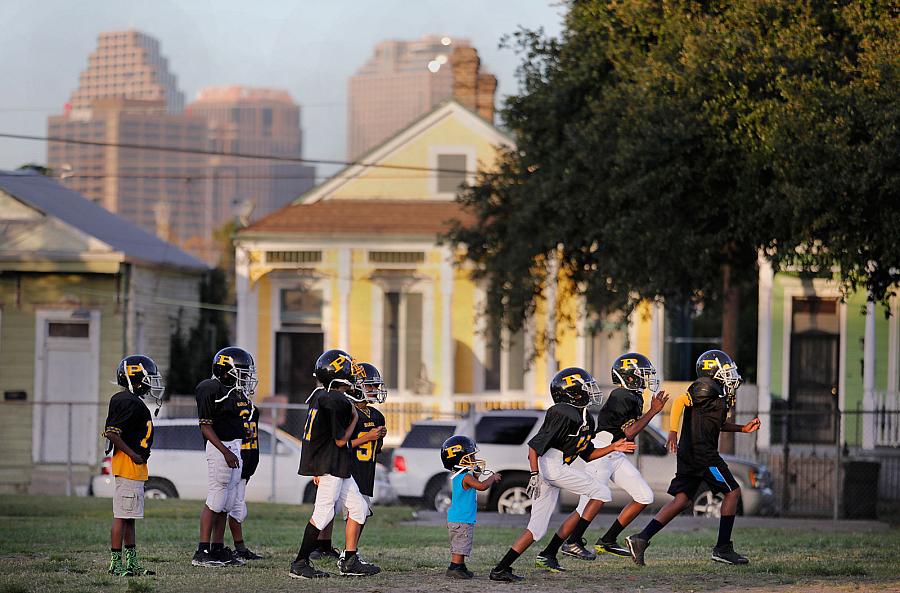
128, 500
461, 536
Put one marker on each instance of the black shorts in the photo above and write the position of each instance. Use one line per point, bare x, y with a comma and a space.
718, 477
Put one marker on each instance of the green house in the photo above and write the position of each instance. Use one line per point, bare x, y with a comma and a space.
79, 289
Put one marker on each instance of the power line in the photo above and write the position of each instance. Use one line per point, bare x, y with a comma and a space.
204, 152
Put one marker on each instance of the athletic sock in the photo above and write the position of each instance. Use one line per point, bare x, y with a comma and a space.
325, 545
215, 547
114, 550
650, 530
203, 547
131, 547
553, 547
310, 540
507, 560
349, 554
612, 533
239, 545
579, 530
455, 566
726, 524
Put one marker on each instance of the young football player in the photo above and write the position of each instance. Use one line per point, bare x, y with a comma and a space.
366, 445
220, 401
621, 418
705, 408
330, 423
249, 462
564, 436
129, 428
458, 455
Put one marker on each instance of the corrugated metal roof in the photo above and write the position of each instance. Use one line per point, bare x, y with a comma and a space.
53, 199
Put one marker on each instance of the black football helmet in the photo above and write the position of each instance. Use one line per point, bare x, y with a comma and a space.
719, 367
369, 385
635, 372
458, 454
139, 375
235, 367
575, 386
336, 366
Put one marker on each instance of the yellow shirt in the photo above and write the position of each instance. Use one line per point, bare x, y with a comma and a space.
123, 466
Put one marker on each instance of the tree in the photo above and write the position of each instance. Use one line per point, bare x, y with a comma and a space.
650, 159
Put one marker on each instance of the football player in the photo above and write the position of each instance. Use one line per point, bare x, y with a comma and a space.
249, 462
330, 422
366, 445
564, 436
705, 408
220, 402
129, 428
621, 418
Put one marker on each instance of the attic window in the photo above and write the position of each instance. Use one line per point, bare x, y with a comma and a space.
396, 257
451, 173
293, 257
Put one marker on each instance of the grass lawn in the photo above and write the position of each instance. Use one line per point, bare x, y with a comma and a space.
59, 544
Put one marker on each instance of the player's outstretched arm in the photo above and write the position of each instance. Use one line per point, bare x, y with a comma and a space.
656, 406
751, 426
623, 445
471, 481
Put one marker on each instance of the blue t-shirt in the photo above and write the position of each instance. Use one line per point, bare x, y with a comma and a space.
463, 505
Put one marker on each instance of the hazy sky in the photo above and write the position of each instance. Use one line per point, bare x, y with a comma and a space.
309, 47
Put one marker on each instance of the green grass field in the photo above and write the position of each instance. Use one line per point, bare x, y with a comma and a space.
59, 544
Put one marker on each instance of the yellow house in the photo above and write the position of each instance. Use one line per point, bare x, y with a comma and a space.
355, 264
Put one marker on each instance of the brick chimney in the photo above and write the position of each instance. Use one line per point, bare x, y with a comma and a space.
471, 87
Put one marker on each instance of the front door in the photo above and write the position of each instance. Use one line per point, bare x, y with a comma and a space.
295, 359
66, 374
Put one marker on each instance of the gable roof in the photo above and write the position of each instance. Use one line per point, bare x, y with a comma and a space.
70, 207
425, 218
381, 152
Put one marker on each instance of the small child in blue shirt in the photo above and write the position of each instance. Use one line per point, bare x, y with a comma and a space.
458, 454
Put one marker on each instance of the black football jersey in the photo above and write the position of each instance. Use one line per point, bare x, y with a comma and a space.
131, 420
362, 466
701, 425
250, 445
329, 415
567, 429
622, 409
220, 407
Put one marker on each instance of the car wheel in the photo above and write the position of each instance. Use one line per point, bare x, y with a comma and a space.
158, 488
707, 504
512, 498
436, 496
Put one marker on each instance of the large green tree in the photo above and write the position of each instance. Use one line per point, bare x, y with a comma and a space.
658, 152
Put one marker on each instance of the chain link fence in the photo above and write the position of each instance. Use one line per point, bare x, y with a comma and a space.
816, 464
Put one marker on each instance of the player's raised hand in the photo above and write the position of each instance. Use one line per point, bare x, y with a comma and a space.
751, 426
659, 402
672, 442
624, 445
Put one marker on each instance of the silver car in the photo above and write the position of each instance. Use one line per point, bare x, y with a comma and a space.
417, 475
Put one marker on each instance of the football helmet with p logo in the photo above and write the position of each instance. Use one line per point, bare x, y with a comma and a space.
458, 454
139, 375
719, 367
335, 367
575, 386
235, 367
635, 372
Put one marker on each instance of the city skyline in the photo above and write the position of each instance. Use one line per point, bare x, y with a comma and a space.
44, 63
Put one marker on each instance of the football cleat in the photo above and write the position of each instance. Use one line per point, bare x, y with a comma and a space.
459, 573
133, 566
577, 550
204, 558
302, 569
504, 575
227, 557
115, 564
247, 554
612, 548
324, 554
637, 547
548, 563
356, 567
727, 555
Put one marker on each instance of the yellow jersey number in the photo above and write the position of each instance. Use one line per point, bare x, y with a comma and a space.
149, 432
366, 451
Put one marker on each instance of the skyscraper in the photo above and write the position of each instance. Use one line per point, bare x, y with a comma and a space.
406, 79
252, 121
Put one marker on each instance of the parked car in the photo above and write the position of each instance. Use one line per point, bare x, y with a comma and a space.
178, 467
502, 435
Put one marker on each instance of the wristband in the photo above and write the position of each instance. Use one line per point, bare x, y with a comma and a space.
534, 473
